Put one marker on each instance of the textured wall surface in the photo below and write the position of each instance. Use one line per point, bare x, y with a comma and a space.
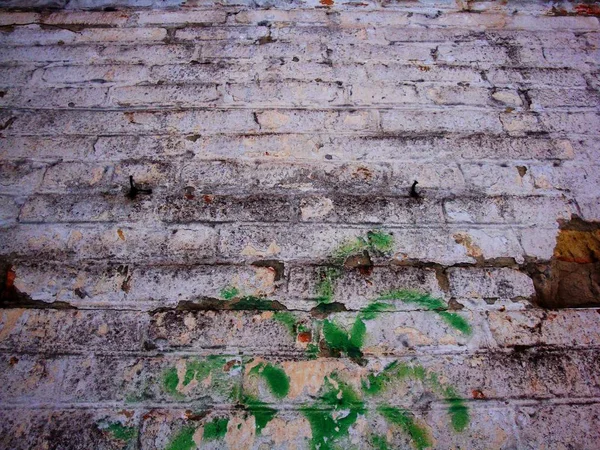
273, 277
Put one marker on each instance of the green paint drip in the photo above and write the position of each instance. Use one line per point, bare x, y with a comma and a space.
229, 292
288, 320
276, 378
215, 429
121, 432
407, 423
456, 321
184, 440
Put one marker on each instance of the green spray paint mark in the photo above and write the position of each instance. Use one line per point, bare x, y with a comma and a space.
287, 319
431, 303
171, 381
342, 341
184, 440
376, 242
121, 432
262, 413
215, 429
328, 277
229, 292
407, 423
334, 413
372, 310
379, 442
276, 378
457, 409
456, 321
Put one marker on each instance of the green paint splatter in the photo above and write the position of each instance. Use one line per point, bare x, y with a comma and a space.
456, 321
215, 429
372, 310
229, 292
381, 242
459, 414
342, 341
171, 381
428, 302
184, 440
276, 378
262, 413
325, 288
457, 410
379, 442
405, 420
334, 413
409, 296
287, 319
121, 432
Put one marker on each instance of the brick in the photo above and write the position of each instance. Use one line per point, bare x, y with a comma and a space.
95, 74
135, 122
558, 98
199, 207
369, 209
42, 375
542, 211
223, 33
63, 331
9, 210
490, 284
225, 176
356, 290
89, 18
21, 177
392, 72
431, 177
567, 328
55, 98
35, 35
180, 95
243, 332
190, 243
47, 148
579, 422
52, 208
493, 179
316, 244
535, 77
68, 176
438, 121
135, 381
14, 76
284, 94
209, 17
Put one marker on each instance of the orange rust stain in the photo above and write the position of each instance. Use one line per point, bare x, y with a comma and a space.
13, 360
121, 234
582, 247
11, 275
207, 198
424, 68
476, 393
326, 2
587, 10
304, 337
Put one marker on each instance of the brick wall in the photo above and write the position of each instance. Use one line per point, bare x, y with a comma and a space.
211, 235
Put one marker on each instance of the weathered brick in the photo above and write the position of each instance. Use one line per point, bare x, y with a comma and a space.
543, 211
439, 121
165, 95
209, 17
489, 284
70, 97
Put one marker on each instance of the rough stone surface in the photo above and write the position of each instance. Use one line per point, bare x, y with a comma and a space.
299, 225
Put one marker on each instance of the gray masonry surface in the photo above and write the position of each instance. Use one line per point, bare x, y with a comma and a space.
299, 224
